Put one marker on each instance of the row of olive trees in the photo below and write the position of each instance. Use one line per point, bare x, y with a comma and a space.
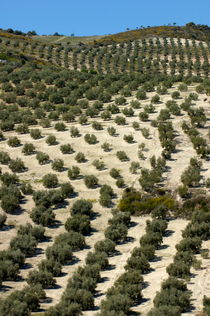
174, 297
126, 291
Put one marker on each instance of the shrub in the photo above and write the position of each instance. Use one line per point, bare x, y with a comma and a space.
74, 172
134, 167
183, 191
60, 126
4, 158
78, 223
61, 253
83, 119
13, 141
106, 115
73, 239
120, 183
111, 130
80, 157
35, 133
50, 180
22, 129
120, 120
42, 216
106, 147
99, 258
116, 304
143, 116
189, 244
58, 165
82, 206
28, 149
106, 245
175, 95
66, 189
25, 243
141, 94
99, 164
41, 277
120, 100
174, 298
51, 140
45, 123
42, 158
90, 181
136, 126
183, 87
191, 176
105, 200
145, 132
51, 266
97, 126
74, 132
121, 155
153, 238
9, 178
135, 104
128, 138
114, 173
66, 149
120, 218
90, 139
179, 269
17, 165
139, 263
129, 112
155, 99
116, 233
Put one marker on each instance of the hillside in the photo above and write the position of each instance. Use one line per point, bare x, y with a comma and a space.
105, 174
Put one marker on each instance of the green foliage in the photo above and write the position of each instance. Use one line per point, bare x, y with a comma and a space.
80, 157
60, 126
42, 158
51, 140
91, 181
28, 149
35, 133
74, 172
50, 180
42, 215
13, 141
82, 207
58, 165
78, 223
106, 245
122, 156
66, 149
111, 130
42, 277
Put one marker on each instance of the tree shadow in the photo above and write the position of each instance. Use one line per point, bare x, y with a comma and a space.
5, 288
162, 247
104, 279
169, 232
7, 227
26, 266
133, 224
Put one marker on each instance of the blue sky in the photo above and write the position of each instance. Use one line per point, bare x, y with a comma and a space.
96, 17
